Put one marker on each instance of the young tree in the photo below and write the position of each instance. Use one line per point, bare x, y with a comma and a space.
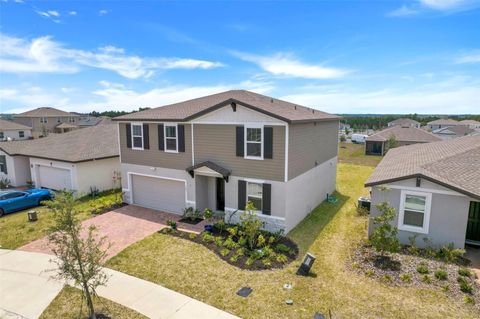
251, 225
79, 258
392, 142
384, 237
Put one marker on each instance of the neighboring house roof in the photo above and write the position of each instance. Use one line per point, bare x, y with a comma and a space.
90, 143
443, 122
46, 112
9, 125
66, 125
453, 163
187, 110
404, 134
470, 122
403, 121
458, 130
93, 120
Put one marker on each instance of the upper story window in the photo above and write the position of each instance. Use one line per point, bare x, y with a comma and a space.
254, 142
414, 213
2, 135
137, 136
43, 120
171, 140
3, 164
255, 194
59, 120
71, 120
21, 134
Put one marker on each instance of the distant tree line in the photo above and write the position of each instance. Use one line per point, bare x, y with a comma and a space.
371, 121
115, 113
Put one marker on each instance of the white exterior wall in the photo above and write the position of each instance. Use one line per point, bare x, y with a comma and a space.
15, 135
97, 173
36, 162
308, 190
18, 171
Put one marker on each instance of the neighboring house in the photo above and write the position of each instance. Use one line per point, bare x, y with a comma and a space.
435, 190
474, 125
441, 123
450, 132
222, 150
44, 120
378, 143
87, 121
11, 131
405, 122
76, 160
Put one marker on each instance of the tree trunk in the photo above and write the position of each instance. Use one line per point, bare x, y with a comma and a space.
88, 297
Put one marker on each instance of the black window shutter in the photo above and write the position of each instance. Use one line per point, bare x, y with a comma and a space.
3, 160
267, 199
181, 138
146, 136
242, 194
240, 139
129, 135
161, 142
268, 142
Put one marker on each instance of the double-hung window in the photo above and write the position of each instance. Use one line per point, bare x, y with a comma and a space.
414, 212
137, 136
21, 134
254, 142
255, 194
2, 135
3, 164
71, 120
43, 120
171, 138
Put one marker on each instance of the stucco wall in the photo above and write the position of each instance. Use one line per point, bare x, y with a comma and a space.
307, 191
448, 214
18, 171
15, 134
97, 173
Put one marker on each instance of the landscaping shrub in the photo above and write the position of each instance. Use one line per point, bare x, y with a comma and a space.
450, 254
412, 247
406, 277
233, 231
426, 279
422, 268
281, 258
251, 225
191, 213
469, 300
441, 274
172, 224
267, 262
192, 236
464, 285
369, 273
260, 241
230, 243
465, 272
224, 252
218, 241
384, 237
207, 237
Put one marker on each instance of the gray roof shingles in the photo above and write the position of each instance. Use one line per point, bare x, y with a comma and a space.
81, 145
452, 163
404, 134
46, 112
9, 125
187, 110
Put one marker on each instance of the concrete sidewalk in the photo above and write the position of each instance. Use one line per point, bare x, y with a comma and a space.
26, 290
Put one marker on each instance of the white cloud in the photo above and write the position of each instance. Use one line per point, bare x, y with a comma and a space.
402, 12
445, 5
453, 100
18, 1
30, 97
72, 13
46, 55
472, 57
103, 12
53, 13
285, 64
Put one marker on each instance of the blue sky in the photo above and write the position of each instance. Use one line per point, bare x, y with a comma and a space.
338, 56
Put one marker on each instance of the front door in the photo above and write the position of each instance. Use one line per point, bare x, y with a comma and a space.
473, 225
220, 194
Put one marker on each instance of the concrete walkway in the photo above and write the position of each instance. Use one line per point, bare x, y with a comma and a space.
26, 290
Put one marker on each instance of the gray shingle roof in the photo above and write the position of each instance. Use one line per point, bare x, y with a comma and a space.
468, 122
404, 134
187, 110
443, 122
46, 112
457, 130
453, 163
9, 125
76, 146
403, 121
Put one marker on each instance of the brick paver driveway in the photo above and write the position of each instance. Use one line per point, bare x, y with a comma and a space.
123, 227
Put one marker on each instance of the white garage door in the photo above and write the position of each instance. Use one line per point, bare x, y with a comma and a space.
54, 178
158, 193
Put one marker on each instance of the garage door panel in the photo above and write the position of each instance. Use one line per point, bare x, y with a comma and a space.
158, 193
54, 178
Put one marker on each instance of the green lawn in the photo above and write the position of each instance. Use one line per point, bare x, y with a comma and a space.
16, 231
331, 233
69, 305
350, 153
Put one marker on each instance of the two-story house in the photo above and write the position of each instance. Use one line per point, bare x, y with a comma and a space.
222, 150
44, 120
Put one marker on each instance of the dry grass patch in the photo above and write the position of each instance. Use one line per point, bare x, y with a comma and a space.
331, 233
350, 153
68, 305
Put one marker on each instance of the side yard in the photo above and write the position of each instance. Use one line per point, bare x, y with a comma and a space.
16, 231
355, 154
331, 233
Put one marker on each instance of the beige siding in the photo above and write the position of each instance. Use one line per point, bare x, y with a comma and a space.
153, 157
38, 127
217, 143
309, 143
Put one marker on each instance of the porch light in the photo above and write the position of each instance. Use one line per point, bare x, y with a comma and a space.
306, 265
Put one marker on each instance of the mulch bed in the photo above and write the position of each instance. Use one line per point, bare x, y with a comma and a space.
392, 267
241, 261
191, 221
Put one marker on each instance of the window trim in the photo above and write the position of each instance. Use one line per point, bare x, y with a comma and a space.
3, 167
132, 135
426, 215
245, 136
3, 135
43, 120
259, 211
21, 134
165, 125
